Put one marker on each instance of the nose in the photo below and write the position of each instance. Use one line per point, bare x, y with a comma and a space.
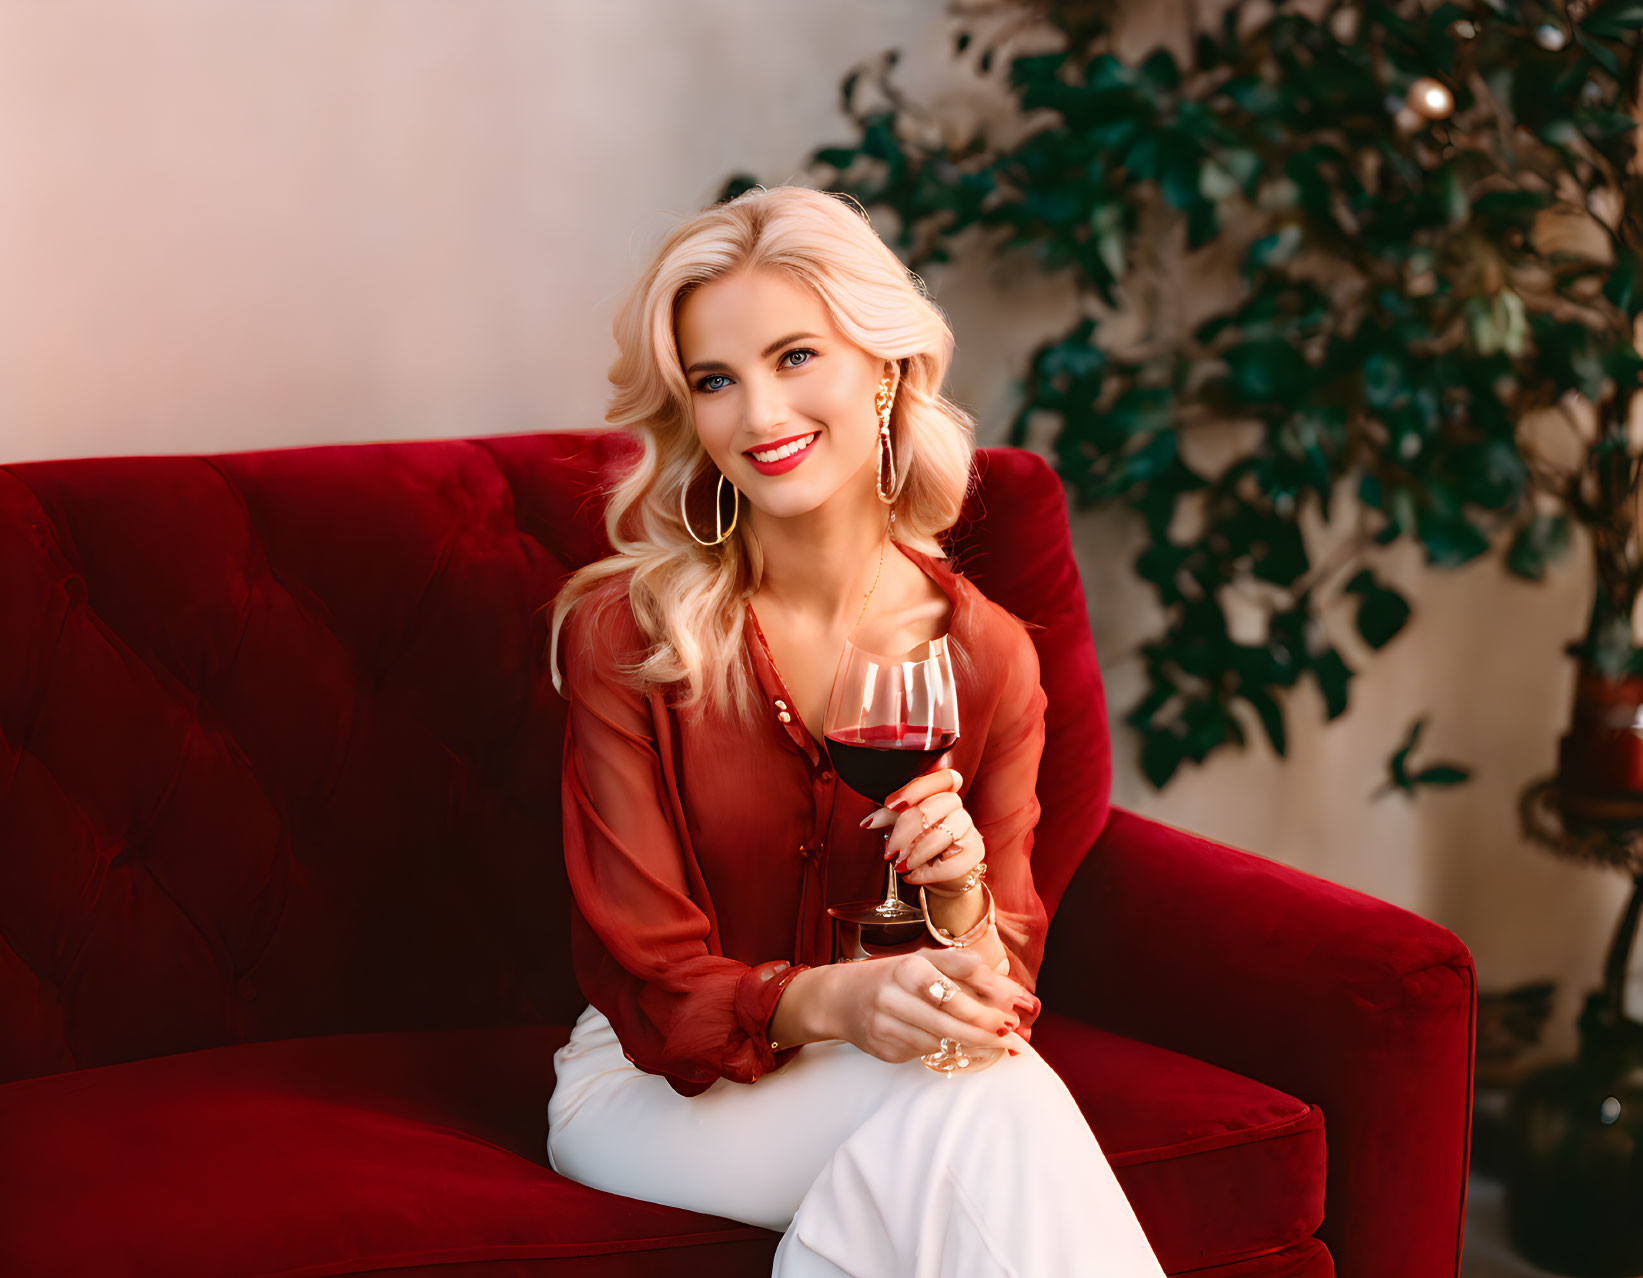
766, 408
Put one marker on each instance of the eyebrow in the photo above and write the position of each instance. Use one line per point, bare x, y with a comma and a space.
766, 353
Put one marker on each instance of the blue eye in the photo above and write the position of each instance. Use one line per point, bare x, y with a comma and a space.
797, 350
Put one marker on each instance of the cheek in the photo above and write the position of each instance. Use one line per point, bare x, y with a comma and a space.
848, 417
714, 430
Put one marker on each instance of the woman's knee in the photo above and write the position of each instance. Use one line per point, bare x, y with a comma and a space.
1020, 1089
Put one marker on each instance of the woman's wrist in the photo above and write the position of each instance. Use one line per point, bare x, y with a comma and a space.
800, 1015
956, 913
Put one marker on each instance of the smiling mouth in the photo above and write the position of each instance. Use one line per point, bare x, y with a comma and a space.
783, 451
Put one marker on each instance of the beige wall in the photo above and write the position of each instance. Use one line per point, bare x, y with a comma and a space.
228, 224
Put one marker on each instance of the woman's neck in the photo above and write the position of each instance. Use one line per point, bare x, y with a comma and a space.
820, 577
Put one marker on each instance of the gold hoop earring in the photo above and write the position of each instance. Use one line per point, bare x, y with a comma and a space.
881, 401
718, 511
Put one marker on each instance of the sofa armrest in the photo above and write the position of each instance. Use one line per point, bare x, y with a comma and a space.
1360, 1007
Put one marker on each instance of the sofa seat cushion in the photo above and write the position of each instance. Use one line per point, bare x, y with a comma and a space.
340, 1154
1218, 1167
360, 1153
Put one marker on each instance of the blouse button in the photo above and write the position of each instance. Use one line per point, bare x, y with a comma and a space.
781, 705
826, 776
785, 717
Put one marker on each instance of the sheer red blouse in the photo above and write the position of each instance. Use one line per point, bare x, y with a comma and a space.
702, 854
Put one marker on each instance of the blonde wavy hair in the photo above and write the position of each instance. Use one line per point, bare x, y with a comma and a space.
686, 597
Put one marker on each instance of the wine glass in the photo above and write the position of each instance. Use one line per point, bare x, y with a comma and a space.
889, 719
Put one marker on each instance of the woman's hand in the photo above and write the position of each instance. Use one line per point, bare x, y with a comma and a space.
883, 1005
944, 853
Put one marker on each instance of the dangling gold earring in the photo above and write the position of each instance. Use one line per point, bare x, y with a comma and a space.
881, 401
718, 511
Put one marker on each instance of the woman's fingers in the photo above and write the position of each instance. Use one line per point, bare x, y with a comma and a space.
910, 824
962, 1017
1000, 987
922, 787
997, 989
943, 856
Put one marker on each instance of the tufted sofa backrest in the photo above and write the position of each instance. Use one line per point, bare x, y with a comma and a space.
280, 753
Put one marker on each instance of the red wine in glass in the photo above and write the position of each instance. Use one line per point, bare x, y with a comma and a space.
877, 760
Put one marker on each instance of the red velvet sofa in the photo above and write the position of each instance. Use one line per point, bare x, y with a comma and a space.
283, 955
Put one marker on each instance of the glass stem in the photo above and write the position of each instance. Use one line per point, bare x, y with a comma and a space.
892, 897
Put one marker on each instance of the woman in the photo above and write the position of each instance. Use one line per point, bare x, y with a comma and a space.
724, 1064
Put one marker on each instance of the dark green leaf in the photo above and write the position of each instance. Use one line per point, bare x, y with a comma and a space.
1161, 755
1146, 462
1333, 676
1397, 766
1622, 282
1613, 20
1273, 250
1267, 371
1159, 71
1382, 611
1272, 718
1600, 54
839, 157
1450, 540
1441, 774
1542, 540
1141, 160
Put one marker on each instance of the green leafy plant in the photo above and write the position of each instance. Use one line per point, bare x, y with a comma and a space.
1440, 243
1399, 775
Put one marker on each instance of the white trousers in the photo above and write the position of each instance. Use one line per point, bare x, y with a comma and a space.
867, 1168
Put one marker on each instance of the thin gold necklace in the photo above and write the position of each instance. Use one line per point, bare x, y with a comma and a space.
883, 545
868, 598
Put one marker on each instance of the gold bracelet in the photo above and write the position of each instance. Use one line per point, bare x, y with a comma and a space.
965, 939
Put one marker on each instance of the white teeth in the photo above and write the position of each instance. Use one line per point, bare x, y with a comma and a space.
776, 454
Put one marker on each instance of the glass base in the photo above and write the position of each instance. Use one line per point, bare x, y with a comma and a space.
861, 932
877, 913
953, 1057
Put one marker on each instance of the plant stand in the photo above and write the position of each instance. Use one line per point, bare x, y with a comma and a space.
1574, 1181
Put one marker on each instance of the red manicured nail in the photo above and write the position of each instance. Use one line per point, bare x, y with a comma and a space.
1003, 1030
901, 866
1012, 1051
900, 805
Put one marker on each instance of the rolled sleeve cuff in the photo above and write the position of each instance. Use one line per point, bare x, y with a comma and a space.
757, 993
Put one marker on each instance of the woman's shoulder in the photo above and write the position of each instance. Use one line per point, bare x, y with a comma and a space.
600, 634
